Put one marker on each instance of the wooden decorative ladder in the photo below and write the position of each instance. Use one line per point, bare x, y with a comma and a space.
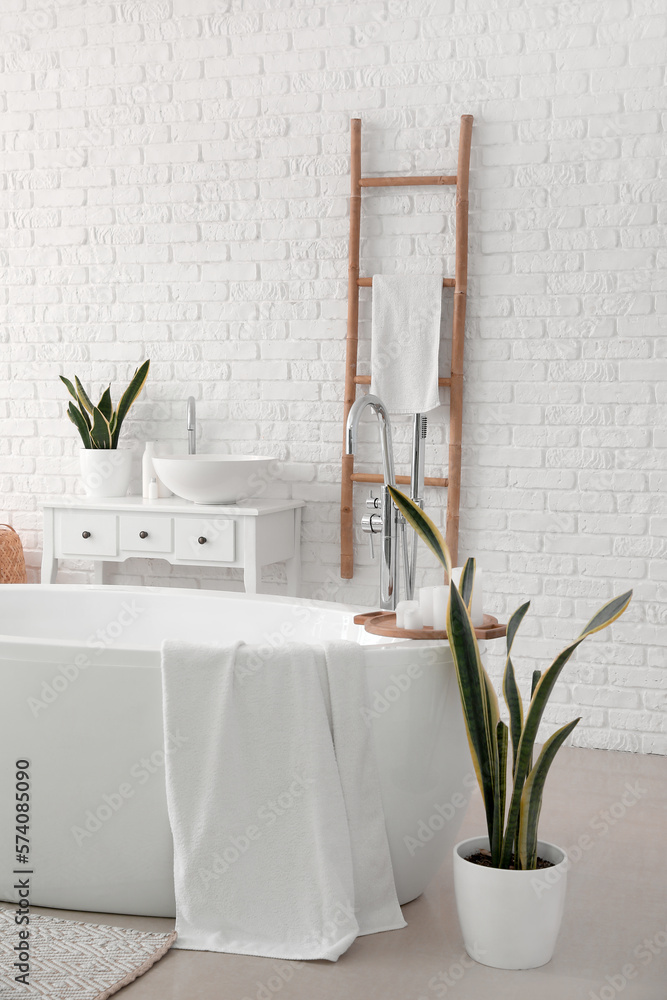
455, 381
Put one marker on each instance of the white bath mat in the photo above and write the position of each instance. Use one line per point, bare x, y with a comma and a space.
76, 961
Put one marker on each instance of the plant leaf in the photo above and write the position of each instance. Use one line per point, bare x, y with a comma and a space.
531, 797
605, 616
83, 396
533, 684
73, 394
467, 582
72, 391
499, 792
100, 434
128, 398
75, 415
474, 686
70, 387
492, 714
105, 405
513, 625
514, 707
424, 527
510, 687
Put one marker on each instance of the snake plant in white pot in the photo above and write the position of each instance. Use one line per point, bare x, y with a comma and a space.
510, 896
105, 469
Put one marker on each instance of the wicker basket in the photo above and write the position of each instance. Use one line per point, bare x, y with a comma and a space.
12, 563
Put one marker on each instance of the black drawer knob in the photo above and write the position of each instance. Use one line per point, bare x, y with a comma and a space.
85, 534
201, 540
143, 534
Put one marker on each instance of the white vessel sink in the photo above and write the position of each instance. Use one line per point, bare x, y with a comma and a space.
214, 478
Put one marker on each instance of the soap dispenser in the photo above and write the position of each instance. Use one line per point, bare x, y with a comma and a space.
148, 473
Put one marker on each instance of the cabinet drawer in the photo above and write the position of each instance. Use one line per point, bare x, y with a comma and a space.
145, 533
203, 539
88, 534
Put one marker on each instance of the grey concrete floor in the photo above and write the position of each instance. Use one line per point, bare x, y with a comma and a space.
613, 940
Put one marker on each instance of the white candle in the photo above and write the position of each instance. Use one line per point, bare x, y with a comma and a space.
426, 604
400, 613
440, 600
412, 616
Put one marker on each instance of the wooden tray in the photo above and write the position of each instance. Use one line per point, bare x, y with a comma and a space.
384, 623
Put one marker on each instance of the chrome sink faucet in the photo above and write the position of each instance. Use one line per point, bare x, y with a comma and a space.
386, 522
192, 426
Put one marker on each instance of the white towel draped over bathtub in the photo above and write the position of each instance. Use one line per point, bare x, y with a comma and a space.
280, 847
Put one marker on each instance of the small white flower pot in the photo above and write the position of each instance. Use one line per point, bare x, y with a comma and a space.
106, 472
509, 919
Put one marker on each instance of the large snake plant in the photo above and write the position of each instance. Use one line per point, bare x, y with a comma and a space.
99, 426
512, 831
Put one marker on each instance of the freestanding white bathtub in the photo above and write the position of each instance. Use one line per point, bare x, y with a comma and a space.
80, 699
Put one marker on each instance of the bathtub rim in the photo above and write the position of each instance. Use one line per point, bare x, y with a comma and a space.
19, 645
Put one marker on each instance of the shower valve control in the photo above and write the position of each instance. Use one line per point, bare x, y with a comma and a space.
372, 525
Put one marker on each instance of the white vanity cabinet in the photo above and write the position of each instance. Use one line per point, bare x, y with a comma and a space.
248, 536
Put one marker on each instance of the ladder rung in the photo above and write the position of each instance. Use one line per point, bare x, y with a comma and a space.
375, 477
367, 282
380, 182
366, 380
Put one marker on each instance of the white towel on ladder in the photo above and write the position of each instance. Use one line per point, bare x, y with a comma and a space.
280, 847
405, 341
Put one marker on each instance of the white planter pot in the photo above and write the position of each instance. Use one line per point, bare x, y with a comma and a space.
106, 472
509, 919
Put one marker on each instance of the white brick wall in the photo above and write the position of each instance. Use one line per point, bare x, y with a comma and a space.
174, 181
